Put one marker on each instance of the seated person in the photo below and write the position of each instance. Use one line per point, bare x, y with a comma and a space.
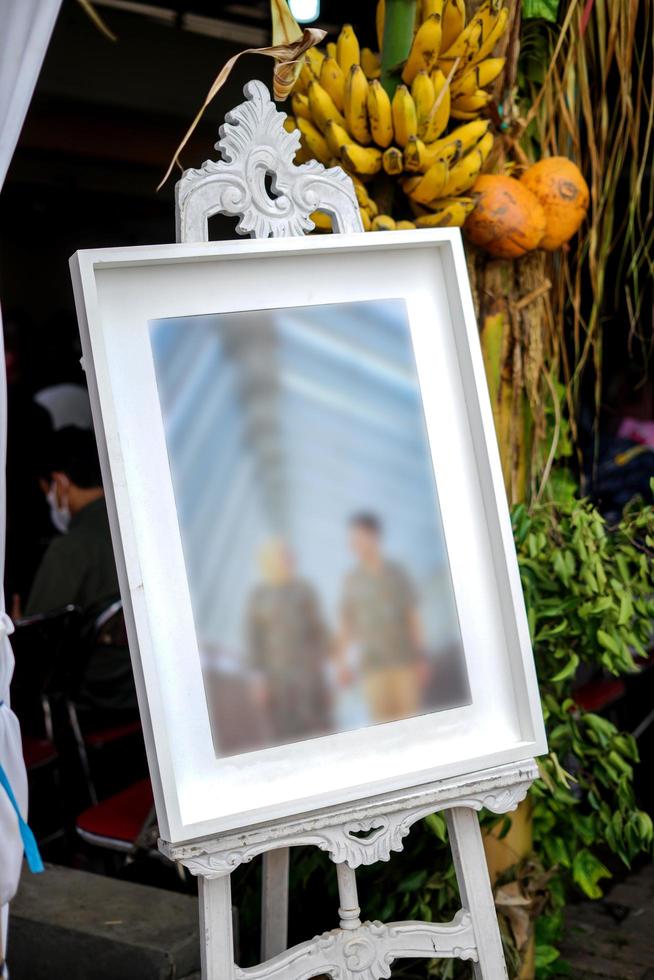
78, 568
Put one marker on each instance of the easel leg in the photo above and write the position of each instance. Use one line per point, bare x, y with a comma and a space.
476, 895
274, 903
349, 912
216, 931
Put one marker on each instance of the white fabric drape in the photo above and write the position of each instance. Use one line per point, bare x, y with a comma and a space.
25, 29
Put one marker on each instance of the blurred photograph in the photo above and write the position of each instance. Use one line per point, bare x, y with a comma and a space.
309, 520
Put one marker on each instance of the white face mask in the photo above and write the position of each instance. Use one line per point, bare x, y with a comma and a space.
59, 515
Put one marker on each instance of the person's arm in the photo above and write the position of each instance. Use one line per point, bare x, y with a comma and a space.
57, 581
316, 628
255, 650
413, 619
415, 629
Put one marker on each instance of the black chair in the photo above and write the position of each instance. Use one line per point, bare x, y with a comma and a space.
42, 645
100, 702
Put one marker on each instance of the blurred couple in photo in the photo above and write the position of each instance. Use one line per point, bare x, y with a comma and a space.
374, 655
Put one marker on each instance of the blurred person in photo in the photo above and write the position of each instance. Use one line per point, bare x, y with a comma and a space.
379, 616
288, 647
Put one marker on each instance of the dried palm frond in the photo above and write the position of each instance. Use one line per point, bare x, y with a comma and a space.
595, 105
92, 13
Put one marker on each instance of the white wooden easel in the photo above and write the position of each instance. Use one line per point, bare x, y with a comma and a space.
254, 145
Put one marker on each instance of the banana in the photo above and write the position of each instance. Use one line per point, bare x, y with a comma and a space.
356, 108
405, 120
431, 184
464, 84
314, 59
300, 104
302, 154
321, 220
470, 103
336, 136
422, 93
365, 218
372, 208
331, 49
380, 114
348, 52
424, 50
430, 7
322, 107
480, 35
414, 155
484, 17
481, 75
454, 20
461, 115
363, 198
305, 78
449, 213
459, 142
447, 150
383, 222
440, 110
392, 160
404, 225
454, 66
366, 160
371, 63
313, 140
417, 210
332, 80
492, 36
463, 174
409, 184
459, 46
380, 13
485, 145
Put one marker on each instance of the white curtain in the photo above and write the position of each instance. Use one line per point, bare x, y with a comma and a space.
25, 29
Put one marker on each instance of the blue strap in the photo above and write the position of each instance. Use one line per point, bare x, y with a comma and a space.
31, 848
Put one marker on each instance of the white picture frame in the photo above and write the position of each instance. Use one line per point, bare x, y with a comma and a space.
118, 292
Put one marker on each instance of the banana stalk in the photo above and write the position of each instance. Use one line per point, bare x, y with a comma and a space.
399, 23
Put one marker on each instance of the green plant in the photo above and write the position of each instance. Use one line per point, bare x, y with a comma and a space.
588, 590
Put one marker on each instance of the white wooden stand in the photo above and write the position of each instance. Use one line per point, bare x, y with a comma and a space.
358, 834
254, 145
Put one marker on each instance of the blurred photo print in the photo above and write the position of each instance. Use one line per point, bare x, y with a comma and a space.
309, 519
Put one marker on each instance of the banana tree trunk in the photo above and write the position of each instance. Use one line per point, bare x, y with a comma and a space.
399, 25
512, 305
511, 298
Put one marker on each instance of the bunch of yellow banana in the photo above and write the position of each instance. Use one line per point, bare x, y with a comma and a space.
432, 134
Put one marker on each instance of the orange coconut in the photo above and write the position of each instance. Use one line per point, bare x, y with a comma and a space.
562, 191
507, 220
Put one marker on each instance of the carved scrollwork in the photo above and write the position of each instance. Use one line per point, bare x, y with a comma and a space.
362, 833
255, 146
369, 952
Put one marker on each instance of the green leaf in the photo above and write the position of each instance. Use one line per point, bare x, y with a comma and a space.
545, 955
413, 882
437, 825
587, 870
569, 669
608, 642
